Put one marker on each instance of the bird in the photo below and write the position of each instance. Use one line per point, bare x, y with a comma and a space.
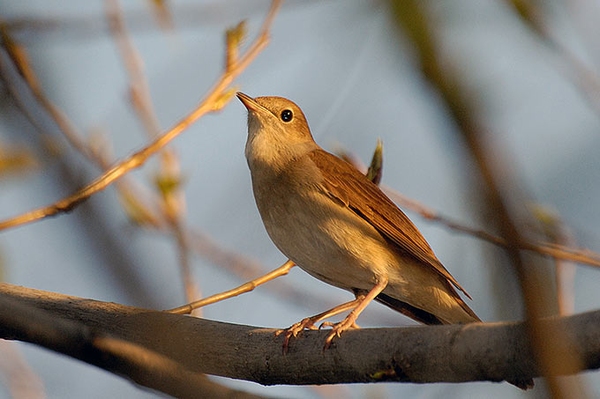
341, 228
338, 226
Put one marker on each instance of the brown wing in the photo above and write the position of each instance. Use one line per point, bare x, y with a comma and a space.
366, 199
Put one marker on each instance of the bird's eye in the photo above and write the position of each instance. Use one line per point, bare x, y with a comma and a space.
287, 115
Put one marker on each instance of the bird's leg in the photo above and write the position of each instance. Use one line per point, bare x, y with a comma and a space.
360, 305
309, 322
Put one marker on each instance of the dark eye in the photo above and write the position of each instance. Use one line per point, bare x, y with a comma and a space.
286, 115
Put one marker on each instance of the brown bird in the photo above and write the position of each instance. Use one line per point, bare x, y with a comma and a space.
340, 227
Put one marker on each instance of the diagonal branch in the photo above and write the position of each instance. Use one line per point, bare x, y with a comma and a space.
214, 101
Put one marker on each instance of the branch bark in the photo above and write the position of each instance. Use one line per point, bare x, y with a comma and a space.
151, 347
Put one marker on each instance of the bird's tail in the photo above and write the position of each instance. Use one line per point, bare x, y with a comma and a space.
408, 310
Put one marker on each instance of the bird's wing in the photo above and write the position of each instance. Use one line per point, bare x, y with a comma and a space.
346, 184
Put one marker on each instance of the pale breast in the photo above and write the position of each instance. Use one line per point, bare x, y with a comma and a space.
321, 235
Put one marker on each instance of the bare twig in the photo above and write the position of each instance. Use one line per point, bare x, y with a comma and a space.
168, 179
211, 103
246, 287
554, 250
133, 199
138, 87
568, 253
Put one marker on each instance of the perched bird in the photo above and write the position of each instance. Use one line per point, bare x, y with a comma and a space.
340, 227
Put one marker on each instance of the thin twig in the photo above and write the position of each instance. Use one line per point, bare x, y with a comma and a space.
130, 193
210, 103
578, 255
246, 287
172, 199
138, 86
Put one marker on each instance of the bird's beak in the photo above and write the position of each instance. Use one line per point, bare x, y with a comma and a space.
250, 103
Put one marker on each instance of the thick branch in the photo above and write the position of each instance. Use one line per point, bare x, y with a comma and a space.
26, 322
456, 353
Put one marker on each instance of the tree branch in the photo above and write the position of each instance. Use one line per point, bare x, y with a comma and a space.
27, 322
215, 100
95, 331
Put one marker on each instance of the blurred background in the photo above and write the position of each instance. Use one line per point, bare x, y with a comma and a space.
531, 76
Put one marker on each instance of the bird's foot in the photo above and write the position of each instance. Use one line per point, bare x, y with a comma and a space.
293, 331
309, 322
338, 328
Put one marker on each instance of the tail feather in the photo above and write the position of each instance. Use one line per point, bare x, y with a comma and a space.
414, 313
455, 314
